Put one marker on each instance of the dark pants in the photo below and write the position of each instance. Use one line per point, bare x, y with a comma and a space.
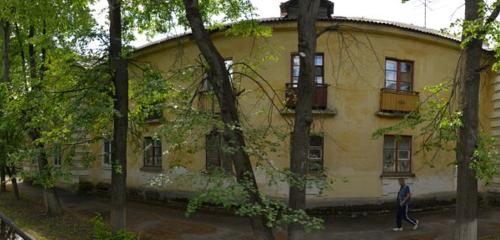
403, 214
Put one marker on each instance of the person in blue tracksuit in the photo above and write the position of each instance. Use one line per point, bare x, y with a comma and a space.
403, 200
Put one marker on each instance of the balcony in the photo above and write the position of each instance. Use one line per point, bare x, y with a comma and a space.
392, 101
320, 97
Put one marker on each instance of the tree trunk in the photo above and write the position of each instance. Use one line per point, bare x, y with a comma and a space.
466, 218
3, 183
52, 204
51, 200
13, 179
119, 73
21, 51
5, 50
5, 77
466, 221
219, 78
308, 11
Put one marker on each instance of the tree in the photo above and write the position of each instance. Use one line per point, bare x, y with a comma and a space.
51, 31
218, 76
5, 77
7, 131
474, 152
472, 39
119, 73
308, 11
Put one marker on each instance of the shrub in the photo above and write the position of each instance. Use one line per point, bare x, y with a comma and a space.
102, 232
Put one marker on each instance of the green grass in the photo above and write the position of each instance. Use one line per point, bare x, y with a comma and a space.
28, 215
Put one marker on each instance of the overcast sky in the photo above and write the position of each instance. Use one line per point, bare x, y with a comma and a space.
440, 13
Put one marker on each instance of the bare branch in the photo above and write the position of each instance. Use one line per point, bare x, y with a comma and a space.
332, 28
494, 14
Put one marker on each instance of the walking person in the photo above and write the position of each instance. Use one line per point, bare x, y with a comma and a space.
403, 199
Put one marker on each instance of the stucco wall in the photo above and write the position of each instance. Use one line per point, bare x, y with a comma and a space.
354, 69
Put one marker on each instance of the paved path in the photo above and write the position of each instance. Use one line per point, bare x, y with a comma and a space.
164, 223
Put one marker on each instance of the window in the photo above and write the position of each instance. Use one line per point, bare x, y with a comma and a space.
397, 154
314, 163
207, 86
229, 66
318, 64
57, 154
106, 153
152, 152
315, 156
398, 75
215, 153
155, 113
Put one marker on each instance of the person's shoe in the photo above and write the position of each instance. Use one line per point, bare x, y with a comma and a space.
415, 226
397, 229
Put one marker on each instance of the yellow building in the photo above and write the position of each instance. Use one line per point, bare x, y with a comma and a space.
370, 73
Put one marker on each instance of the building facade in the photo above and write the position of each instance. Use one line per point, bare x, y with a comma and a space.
370, 74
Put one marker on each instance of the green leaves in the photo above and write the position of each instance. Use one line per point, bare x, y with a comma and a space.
249, 28
102, 232
61, 93
227, 193
152, 16
485, 159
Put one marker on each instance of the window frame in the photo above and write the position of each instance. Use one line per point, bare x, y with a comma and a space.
292, 56
321, 159
222, 160
396, 151
398, 80
156, 114
229, 68
107, 154
155, 159
322, 149
206, 86
57, 154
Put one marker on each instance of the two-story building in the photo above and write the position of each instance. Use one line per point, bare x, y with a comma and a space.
369, 75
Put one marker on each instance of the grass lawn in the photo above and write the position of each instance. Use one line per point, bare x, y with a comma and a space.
28, 215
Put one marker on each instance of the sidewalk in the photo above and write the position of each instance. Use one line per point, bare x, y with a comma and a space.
164, 223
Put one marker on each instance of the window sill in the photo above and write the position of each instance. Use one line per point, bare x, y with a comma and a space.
153, 121
397, 175
391, 114
152, 169
324, 112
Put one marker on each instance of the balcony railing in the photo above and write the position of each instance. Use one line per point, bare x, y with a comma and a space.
398, 101
320, 97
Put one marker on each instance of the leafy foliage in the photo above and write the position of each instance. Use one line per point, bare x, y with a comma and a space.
57, 88
102, 232
226, 192
486, 159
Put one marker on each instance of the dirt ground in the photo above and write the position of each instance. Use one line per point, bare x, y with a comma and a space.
153, 221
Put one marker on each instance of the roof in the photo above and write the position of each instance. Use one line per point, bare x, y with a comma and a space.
404, 26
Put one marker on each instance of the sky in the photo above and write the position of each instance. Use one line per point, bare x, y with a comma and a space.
440, 13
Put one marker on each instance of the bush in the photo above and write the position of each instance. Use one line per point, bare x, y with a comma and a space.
102, 232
